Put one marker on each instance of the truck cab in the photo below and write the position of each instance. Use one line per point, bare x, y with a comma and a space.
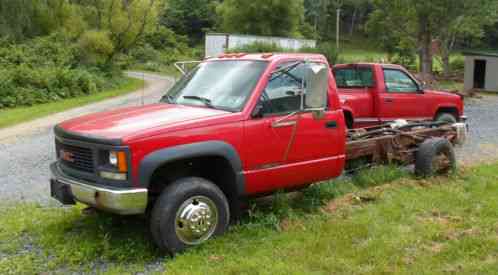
373, 94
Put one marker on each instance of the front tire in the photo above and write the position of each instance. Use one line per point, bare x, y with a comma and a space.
188, 212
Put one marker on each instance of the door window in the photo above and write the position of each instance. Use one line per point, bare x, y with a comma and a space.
399, 82
283, 93
354, 77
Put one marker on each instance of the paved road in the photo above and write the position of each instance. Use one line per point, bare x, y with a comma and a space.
27, 150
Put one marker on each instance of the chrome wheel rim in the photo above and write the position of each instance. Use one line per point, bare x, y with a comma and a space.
196, 220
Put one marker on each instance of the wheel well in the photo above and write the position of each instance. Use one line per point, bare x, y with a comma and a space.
348, 116
447, 110
213, 168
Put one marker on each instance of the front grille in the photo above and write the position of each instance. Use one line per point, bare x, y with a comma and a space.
75, 157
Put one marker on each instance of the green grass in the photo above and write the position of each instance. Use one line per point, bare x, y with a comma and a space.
356, 50
380, 221
10, 117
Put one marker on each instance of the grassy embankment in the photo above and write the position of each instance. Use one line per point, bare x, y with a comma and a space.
10, 117
381, 221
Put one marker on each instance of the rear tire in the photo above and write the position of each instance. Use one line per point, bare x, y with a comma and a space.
188, 212
446, 117
435, 157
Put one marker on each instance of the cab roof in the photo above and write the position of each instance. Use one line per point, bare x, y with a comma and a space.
383, 65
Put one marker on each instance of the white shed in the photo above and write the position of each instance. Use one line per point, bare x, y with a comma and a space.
481, 70
217, 43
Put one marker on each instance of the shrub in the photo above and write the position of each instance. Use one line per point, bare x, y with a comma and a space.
24, 86
163, 39
145, 54
326, 49
96, 46
47, 69
457, 64
258, 47
53, 50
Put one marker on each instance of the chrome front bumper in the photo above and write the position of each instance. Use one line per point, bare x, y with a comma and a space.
126, 201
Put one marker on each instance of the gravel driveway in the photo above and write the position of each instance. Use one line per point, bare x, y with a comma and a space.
482, 145
27, 150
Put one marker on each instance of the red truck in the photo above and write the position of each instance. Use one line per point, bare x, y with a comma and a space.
373, 94
234, 127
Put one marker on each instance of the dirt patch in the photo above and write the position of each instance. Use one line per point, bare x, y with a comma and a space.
291, 224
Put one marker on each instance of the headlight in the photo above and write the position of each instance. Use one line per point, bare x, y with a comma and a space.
114, 165
118, 160
113, 158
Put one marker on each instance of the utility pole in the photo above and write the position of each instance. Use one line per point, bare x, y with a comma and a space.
338, 29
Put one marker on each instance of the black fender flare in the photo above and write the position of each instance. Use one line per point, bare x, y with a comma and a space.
158, 158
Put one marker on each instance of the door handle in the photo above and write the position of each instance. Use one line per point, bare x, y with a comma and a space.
282, 124
389, 100
331, 124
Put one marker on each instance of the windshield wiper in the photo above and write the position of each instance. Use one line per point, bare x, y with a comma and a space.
204, 100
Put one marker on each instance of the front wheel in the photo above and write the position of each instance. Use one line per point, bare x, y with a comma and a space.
188, 212
446, 117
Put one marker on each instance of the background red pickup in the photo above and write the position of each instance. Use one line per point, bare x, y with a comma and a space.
372, 94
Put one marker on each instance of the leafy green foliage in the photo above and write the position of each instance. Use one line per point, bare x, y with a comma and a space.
327, 49
97, 47
190, 17
24, 19
258, 47
262, 17
9, 117
413, 25
46, 69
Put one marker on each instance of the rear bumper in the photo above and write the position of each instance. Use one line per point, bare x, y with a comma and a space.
125, 201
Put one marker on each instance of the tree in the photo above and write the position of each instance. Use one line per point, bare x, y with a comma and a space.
418, 23
122, 23
190, 17
491, 36
463, 19
262, 17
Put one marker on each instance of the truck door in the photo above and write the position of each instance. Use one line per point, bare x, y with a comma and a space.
402, 97
287, 148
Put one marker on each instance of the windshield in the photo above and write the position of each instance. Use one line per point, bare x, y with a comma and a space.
222, 85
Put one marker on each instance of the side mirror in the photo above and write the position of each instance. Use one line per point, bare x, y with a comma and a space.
317, 81
257, 112
422, 86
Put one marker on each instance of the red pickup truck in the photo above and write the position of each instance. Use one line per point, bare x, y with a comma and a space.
372, 94
234, 127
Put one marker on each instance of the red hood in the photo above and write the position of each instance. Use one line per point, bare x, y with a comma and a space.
441, 93
120, 123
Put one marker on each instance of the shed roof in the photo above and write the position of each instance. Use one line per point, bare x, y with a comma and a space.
490, 53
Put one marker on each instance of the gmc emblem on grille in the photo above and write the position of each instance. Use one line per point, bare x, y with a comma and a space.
67, 156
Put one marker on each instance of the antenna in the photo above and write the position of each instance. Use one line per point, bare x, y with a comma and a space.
143, 88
